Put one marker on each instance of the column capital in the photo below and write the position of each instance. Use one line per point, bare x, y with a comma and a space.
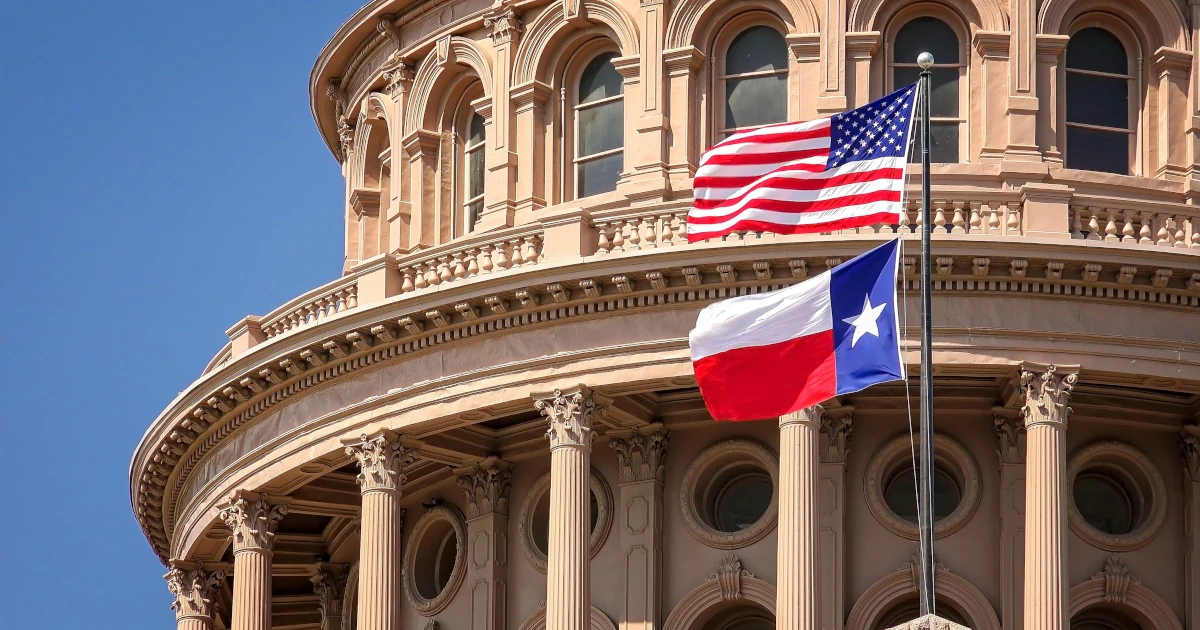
194, 590
505, 23
570, 413
836, 425
641, 453
382, 458
486, 485
1010, 433
1189, 451
329, 584
813, 415
253, 519
1045, 391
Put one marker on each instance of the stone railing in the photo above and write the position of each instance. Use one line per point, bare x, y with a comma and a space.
312, 307
487, 253
1115, 222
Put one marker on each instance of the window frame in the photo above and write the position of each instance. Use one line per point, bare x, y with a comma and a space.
1135, 82
718, 52
469, 104
958, 25
570, 107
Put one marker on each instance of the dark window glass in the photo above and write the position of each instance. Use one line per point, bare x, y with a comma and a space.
743, 501
1094, 100
601, 128
901, 495
943, 101
600, 80
475, 133
599, 175
943, 143
756, 49
1096, 150
1098, 50
755, 101
1103, 503
926, 34
475, 173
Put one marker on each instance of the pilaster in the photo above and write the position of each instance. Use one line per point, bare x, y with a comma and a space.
1045, 391
1010, 435
570, 414
1172, 67
529, 106
797, 597
641, 458
1050, 132
832, 96
1022, 108
329, 584
681, 65
422, 148
993, 48
1189, 451
486, 485
253, 518
860, 48
194, 589
397, 76
806, 53
836, 425
500, 193
382, 458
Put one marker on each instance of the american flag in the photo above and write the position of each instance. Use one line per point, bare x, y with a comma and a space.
817, 176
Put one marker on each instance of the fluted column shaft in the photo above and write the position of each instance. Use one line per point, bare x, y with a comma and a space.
797, 598
382, 459
1045, 413
194, 589
253, 519
568, 575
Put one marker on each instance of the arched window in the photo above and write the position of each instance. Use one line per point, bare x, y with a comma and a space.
473, 172
1103, 619
1099, 133
755, 80
947, 122
599, 128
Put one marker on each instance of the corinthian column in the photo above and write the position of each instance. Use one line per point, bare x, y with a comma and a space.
568, 583
382, 459
329, 583
486, 485
797, 599
1045, 392
641, 457
252, 519
194, 590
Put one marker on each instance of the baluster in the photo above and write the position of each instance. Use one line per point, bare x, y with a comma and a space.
431, 273
650, 236
531, 250
1076, 222
1195, 234
1110, 228
406, 284
957, 220
635, 238
939, 216
1014, 218
618, 238
920, 224
485, 260
1181, 231
498, 257
681, 229
667, 237
518, 257
420, 281
460, 269
903, 225
975, 226
444, 269
473, 261
1127, 231
352, 296
604, 244
993, 217
1144, 228
1164, 235
1094, 224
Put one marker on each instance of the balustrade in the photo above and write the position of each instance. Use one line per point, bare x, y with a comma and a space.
312, 307
1129, 226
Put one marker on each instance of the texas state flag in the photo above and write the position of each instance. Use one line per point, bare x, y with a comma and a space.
766, 355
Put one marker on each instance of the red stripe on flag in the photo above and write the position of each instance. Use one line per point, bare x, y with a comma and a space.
887, 218
799, 207
740, 159
714, 181
768, 381
779, 182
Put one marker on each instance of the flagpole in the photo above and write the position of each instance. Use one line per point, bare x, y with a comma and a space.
925, 494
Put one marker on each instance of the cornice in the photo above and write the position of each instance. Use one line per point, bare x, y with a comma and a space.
204, 415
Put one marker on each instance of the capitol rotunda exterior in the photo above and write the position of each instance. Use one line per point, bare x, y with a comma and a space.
489, 419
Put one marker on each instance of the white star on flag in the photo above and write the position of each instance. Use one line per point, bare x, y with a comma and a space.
866, 322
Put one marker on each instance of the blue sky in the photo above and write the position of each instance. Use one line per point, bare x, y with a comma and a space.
162, 178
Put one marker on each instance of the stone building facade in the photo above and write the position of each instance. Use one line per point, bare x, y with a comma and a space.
489, 421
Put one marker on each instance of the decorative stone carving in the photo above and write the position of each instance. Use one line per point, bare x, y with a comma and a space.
397, 74
729, 577
1046, 395
504, 22
486, 485
896, 455
641, 454
1140, 477
329, 583
836, 425
193, 590
382, 459
570, 414
1116, 580
698, 482
345, 138
419, 540
929, 622
253, 520
1010, 432
1189, 450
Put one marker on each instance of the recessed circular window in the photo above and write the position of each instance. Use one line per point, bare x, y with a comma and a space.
891, 487
729, 494
534, 524
1118, 496
434, 559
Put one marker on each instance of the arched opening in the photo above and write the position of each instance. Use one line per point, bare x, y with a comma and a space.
599, 112
742, 617
753, 80
947, 112
910, 609
1103, 619
1099, 116
472, 172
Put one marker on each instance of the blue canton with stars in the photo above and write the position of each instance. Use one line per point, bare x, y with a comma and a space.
879, 129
